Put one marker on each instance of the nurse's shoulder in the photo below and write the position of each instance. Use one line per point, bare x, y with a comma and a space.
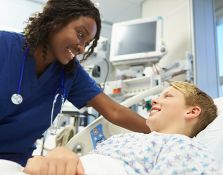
7, 38
11, 46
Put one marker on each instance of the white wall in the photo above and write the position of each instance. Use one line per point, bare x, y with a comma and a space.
119, 10
14, 13
113, 11
177, 25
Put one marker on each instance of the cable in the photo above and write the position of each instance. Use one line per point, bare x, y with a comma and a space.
106, 73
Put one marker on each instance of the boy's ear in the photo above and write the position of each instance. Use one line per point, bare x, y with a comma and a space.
193, 112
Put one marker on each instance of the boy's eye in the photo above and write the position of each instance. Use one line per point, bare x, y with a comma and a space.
168, 95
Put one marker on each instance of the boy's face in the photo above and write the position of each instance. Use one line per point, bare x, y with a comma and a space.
167, 111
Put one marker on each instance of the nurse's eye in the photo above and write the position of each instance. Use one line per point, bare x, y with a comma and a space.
80, 35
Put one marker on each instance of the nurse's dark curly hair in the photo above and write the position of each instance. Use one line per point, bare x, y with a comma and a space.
59, 13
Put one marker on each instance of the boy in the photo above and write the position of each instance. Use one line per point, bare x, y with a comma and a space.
177, 115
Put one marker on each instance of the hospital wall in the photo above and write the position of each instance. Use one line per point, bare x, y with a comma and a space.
14, 13
177, 26
113, 11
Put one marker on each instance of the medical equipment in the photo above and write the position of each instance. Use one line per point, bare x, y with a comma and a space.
130, 87
53, 128
97, 63
17, 98
137, 41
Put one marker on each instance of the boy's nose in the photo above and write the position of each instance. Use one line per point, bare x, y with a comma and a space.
154, 101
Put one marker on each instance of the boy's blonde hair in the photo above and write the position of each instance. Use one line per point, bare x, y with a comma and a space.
196, 97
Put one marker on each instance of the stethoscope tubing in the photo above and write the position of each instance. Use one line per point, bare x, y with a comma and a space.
22, 70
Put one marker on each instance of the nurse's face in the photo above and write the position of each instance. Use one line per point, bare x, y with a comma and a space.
168, 111
72, 39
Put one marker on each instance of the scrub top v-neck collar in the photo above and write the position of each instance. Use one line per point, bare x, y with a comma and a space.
39, 81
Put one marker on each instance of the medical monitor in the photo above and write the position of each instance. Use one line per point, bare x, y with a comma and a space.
137, 41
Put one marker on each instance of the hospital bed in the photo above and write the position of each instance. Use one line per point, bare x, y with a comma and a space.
211, 136
101, 129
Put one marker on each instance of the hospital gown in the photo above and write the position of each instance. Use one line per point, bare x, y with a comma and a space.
158, 153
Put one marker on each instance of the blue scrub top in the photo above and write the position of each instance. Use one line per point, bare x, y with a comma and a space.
21, 125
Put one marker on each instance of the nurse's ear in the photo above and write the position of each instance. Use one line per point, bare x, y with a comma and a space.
192, 112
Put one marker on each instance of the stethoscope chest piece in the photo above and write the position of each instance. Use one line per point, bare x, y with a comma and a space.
16, 99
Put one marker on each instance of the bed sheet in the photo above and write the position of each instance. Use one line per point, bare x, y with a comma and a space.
10, 168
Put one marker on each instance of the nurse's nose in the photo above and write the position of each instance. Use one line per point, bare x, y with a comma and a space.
81, 48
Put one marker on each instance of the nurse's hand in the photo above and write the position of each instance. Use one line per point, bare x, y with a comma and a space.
60, 161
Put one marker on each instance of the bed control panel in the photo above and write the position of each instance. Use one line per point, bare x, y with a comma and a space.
97, 135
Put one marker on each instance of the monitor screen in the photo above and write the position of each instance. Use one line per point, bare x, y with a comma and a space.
136, 40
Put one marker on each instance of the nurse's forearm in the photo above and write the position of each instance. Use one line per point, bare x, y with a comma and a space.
118, 114
131, 120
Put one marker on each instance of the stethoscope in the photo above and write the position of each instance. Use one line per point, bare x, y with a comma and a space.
17, 98
62, 93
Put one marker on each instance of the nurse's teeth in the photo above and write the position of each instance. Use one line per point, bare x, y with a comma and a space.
71, 53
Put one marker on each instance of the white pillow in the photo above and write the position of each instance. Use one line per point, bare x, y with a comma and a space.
212, 135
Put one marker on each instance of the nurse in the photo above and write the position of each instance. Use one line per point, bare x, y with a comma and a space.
39, 69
